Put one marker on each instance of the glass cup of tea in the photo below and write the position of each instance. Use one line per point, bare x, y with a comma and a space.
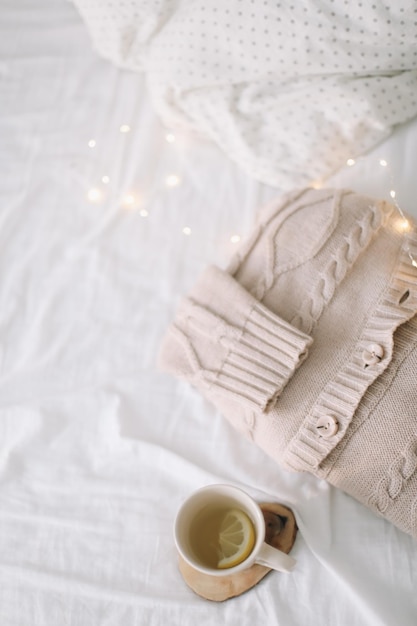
220, 530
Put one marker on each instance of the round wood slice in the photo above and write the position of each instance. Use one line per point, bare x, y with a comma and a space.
280, 532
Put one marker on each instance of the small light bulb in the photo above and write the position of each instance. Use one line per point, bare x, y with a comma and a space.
143, 213
383, 163
235, 238
129, 200
402, 225
170, 137
186, 230
124, 128
105, 180
94, 195
392, 193
317, 184
350, 162
92, 143
172, 180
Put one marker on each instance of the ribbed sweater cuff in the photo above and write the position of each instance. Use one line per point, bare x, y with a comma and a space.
226, 342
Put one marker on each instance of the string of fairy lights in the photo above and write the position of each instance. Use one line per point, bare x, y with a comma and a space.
403, 224
131, 200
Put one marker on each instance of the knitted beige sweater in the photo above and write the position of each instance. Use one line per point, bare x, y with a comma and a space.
307, 343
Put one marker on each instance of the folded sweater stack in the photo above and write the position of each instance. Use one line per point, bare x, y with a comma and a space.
307, 343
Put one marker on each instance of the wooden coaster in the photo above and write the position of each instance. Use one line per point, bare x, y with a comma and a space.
280, 532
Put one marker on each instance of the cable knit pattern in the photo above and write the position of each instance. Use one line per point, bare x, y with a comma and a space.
341, 396
390, 487
308, 345
344, 257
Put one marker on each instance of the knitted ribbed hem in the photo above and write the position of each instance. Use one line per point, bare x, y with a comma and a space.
225, 341
341, 397
260, 363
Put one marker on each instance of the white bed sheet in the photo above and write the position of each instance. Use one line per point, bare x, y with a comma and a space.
98, 449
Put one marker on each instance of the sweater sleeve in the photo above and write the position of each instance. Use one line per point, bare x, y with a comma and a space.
227, 343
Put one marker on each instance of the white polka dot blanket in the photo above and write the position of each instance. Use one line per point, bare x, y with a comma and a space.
288, 90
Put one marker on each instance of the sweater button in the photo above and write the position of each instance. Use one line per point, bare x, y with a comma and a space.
372, 354
327, 425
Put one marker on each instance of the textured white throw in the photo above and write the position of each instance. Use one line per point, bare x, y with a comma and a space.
289, 90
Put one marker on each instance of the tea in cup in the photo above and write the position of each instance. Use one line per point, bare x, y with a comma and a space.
220, 530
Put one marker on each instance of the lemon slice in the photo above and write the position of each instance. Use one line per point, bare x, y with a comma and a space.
236, 539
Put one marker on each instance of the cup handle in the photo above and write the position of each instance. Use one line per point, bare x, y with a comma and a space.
275, 559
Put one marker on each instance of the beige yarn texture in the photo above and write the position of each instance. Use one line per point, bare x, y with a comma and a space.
307, 343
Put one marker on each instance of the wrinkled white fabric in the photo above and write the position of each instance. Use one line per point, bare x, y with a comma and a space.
288, 90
